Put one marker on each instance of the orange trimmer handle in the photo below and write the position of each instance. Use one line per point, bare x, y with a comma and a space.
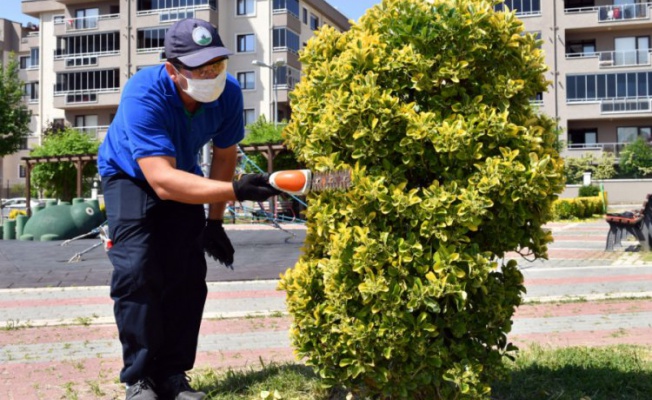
294, 181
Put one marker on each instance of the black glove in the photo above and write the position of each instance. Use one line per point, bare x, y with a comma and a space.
254, 187
217, 244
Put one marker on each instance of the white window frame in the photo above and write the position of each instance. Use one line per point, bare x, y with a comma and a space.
248, 13
237, 43
244, 115
253, 73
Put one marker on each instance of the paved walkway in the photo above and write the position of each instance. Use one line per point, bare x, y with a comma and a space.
59, 340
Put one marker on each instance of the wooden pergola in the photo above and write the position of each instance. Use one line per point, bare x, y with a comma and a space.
269, 151
80, 161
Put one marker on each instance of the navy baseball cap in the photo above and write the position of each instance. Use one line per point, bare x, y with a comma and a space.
194, 42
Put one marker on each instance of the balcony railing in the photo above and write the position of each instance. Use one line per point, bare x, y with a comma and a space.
612, 13
84, 95
582, 148
30, 100
174, 14
616, 58
83, 23
92, 131
60, 54
619, 106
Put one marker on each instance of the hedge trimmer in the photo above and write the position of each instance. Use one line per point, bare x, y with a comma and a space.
300, 182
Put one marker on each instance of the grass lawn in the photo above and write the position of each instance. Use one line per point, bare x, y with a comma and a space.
575, 373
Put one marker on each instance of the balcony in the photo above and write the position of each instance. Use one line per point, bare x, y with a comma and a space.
106, 22
596, 149
615, 58
30, 40
96, 132
101, 59
170, 15
610, 13
625, 106
66, 99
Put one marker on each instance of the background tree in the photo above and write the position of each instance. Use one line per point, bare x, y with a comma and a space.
636, 159
14, 115
403, 290
263, 132
59, 180
600, 168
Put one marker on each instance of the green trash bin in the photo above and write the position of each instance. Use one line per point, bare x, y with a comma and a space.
21, 220
9, 229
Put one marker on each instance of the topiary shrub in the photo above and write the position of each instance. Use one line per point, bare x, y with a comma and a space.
588, 191
401, 290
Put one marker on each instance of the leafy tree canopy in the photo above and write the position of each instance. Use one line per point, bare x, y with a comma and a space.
59, 179
636, 159
263, 132
14, 115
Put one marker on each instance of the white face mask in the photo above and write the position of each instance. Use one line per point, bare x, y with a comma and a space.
206, 90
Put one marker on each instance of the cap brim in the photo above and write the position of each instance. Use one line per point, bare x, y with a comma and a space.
204, 55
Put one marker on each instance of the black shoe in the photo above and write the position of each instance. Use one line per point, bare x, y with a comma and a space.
177, 387
142, 390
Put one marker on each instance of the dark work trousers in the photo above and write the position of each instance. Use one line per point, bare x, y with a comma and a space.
159, 278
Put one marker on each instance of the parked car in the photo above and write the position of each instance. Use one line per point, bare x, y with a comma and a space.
18, 203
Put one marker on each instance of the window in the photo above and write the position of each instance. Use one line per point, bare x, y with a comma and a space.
580, 48
96, 44
245, 7
632, 50
247, 80
86, 18
175, 14
628, 134
82, 87
81, 61
285, 39
249, 116
25, 62
314, 22
30, 91
148, 5
290, 6
34, 57
22, 171
578, 3
609, 86
583, 137
150, 39
246, 43
86, 124
522, 7
305, 16
287, 76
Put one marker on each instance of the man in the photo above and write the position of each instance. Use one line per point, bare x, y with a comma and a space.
154, 193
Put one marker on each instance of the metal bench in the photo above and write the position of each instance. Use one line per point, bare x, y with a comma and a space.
637, 223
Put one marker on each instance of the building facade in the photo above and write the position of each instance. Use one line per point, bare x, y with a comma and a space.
598, 53
76, 61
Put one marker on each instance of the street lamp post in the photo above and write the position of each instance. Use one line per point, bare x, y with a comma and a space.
274, 67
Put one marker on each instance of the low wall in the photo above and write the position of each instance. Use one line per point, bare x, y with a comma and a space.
619, 191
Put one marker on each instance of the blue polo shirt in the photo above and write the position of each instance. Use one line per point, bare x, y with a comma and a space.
152, 121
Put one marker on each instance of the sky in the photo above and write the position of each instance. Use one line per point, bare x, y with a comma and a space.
352, 9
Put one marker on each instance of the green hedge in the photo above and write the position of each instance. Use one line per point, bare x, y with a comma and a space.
581, 207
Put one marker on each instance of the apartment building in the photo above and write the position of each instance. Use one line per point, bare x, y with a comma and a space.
83, 51
598, 52
13, 37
